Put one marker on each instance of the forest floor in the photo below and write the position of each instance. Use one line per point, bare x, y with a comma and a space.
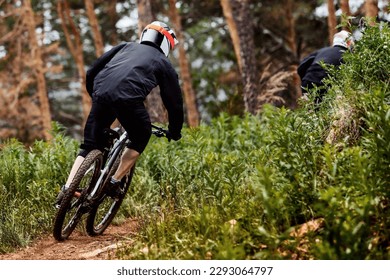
79, 246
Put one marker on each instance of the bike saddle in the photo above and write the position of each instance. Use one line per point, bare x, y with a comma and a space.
110, 135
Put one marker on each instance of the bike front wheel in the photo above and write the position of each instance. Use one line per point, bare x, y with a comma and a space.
74, 204
103, 212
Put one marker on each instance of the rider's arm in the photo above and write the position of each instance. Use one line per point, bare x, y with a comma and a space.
305, 64
99, 64
171, 96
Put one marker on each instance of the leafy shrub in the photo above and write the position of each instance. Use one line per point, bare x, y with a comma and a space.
240, 187
29, 181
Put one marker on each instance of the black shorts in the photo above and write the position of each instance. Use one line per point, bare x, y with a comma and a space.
133, 117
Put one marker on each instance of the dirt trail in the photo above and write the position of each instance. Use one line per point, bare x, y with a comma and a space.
79, 246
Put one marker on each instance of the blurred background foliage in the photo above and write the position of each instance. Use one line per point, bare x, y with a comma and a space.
215, 75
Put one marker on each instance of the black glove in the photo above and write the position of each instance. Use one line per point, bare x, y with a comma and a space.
174, 136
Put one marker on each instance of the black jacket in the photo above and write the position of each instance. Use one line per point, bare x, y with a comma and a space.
310, 70
129, 71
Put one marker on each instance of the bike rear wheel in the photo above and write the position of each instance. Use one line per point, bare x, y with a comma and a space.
72, 208
103, 212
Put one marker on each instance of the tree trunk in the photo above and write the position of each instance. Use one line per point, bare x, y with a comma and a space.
189, 93
18, 119
153, 102
38, 70
97, 36
145, 15
296, 81
73, 40
344, 4
372, 9
346, 13
238, 19
332, 21
24, 105
113, 17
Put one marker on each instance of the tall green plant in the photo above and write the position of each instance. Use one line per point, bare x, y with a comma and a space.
355, 204
29, 180
239, 187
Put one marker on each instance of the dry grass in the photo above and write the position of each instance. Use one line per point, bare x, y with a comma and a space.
345, 124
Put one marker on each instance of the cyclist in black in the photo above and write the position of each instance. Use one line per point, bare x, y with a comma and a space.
310, 70
118, 83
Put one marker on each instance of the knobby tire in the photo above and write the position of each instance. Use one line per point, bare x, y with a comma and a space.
102, 214
71, 209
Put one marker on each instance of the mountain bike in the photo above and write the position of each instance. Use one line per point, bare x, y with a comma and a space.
87, 195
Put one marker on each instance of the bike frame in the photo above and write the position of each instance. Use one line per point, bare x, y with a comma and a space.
112, 155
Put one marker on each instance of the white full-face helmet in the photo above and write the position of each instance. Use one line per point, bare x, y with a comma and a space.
159, 34
344, 39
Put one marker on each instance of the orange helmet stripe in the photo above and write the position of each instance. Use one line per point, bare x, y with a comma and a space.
163, 31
